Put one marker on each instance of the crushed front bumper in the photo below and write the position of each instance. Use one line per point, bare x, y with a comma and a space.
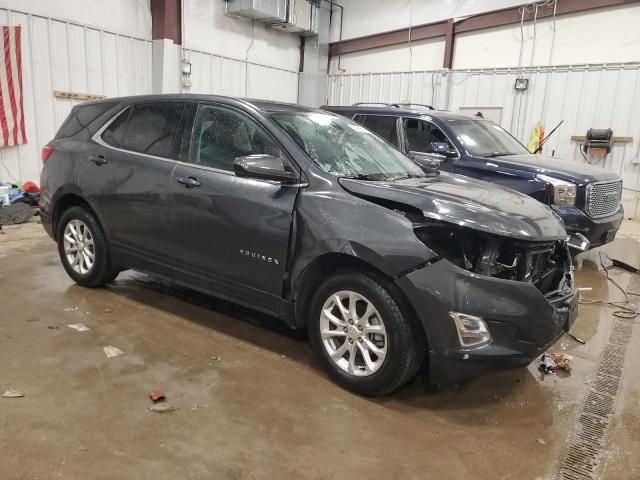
598, 231
523, 322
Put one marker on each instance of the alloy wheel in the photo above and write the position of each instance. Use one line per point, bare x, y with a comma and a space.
79, 248
353, 333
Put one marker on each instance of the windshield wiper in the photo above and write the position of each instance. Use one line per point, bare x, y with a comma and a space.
498, 154
408, 175
365, 176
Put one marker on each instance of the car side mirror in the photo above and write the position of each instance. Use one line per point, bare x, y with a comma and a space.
427, 161
263, 167
443, 148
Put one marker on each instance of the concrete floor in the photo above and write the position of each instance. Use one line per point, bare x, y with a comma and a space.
252, 402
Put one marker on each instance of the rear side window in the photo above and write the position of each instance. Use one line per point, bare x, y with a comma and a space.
114, 133
152, 128
383, 126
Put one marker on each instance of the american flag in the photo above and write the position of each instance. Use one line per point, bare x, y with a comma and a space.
12, 131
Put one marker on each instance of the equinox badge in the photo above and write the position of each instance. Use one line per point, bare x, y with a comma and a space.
259, 256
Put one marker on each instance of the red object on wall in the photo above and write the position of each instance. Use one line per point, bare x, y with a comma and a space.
12, 130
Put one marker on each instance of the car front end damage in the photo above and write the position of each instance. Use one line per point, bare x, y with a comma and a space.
488, 302
495, 285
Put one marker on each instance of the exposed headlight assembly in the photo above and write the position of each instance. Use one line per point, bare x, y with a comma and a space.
562, 192
545, 264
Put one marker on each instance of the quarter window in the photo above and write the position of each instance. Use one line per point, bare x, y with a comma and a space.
421, 134
221, 135
383, 126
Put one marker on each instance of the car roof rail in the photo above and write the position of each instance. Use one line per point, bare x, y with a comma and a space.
362, 104
401, 105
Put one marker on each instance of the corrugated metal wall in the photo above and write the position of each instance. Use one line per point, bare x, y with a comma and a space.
584, 96
59, 55
227, 76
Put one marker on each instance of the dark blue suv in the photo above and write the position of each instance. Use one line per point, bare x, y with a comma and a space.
587, 198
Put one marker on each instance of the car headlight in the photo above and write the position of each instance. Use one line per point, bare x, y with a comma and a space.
562, 192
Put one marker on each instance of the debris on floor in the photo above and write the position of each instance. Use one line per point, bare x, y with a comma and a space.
71, 309
625, 266
111, 352
162, 408
107, 310
15, 214
551, 362
80, 327
157, 395
577, 339
541, 441
52, 327
13, 394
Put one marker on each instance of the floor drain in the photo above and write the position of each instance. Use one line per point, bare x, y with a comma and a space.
586, 444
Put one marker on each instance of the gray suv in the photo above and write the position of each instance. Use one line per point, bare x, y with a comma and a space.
310, 217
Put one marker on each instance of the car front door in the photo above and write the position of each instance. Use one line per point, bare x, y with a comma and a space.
126, 178
231, 233
425, 140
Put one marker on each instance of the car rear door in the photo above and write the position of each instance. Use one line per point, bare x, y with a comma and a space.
386, 126
230, 234
127, 178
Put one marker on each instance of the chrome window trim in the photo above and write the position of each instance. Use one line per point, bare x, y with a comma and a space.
587, 207
97, 137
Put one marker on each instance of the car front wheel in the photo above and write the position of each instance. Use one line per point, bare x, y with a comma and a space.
363, 334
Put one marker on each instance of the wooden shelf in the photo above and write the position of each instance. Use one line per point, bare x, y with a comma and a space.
76, 95
582, 138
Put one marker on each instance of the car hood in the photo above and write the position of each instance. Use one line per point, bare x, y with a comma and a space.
467, 202
577, 172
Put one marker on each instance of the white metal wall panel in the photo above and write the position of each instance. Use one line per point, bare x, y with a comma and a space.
584, 96
59, 55
220, 75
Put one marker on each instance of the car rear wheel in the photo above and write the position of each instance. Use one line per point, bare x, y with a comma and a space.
83, 248
363, 335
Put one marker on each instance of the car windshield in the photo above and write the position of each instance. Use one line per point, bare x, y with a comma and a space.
344, 148
486, 139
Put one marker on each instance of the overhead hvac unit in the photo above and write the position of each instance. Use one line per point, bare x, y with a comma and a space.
266, 11
302, 18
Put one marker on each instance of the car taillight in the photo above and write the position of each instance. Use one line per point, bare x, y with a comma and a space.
47, 150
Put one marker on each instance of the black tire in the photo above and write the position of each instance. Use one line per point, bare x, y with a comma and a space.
102, 271
406, 345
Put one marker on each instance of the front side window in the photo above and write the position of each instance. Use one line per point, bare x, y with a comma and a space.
221, 135
422, 134
486, 139
152, 128
344, 148
382, 125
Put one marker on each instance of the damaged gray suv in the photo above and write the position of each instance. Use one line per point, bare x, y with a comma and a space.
310, 217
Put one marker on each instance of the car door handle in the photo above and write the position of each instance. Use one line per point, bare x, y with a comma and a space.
98, 159
188, 182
